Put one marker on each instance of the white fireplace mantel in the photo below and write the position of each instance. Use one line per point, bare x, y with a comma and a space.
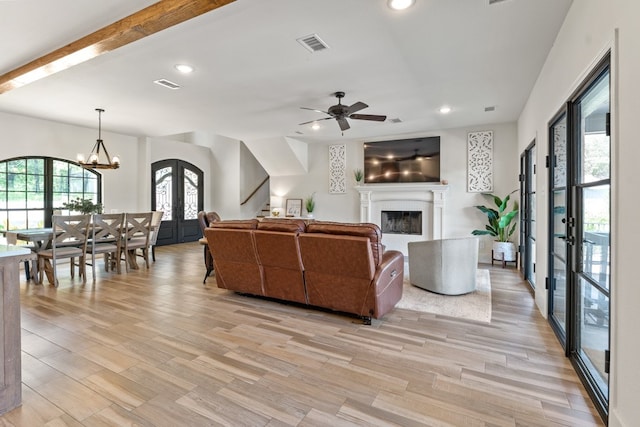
433, 193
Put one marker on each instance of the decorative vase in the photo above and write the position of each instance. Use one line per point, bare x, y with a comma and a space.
309, 215
504, 251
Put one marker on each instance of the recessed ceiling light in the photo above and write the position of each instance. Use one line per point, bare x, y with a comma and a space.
445, 109
184, 68
400, 4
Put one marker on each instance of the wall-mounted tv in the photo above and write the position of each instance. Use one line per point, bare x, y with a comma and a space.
402, 160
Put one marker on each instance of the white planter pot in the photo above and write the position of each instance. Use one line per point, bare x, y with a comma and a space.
504, 251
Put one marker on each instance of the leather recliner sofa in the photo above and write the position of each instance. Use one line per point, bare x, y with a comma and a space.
338, 266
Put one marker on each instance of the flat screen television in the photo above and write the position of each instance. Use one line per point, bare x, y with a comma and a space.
402, 160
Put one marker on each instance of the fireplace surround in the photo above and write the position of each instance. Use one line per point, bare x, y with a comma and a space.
429, 198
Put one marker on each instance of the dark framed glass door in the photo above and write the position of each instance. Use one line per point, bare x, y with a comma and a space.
579, 232
528, 213
177, 190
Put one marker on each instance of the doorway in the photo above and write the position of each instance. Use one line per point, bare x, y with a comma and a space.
579, 233
177, 190
528, 213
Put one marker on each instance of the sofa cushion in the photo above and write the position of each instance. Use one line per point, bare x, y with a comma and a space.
368, 230
283, 225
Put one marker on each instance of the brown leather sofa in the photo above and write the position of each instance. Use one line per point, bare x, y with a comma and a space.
338, 266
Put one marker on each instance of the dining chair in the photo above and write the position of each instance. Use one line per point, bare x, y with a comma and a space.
106, 238
156, 220
69, 240
136, 237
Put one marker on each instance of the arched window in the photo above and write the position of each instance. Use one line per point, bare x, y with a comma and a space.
31, 188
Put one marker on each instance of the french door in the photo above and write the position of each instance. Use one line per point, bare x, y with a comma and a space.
177, 190
528, 213
580, 223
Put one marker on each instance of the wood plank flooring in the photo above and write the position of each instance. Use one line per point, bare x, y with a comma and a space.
157, 348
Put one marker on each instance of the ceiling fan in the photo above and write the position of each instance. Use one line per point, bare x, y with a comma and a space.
342, 112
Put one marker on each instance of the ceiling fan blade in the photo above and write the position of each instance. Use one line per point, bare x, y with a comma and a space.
316, 120
373, 117
313, 109
357, 107
344, 124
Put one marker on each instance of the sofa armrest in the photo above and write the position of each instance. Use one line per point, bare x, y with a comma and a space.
387, 282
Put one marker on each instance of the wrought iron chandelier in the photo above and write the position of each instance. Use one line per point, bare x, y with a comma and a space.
93, 161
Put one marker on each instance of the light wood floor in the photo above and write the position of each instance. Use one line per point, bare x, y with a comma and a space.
157, 348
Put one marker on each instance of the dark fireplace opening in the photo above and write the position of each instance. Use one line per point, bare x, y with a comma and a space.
401, 222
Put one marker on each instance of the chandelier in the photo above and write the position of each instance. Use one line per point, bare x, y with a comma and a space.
93, 161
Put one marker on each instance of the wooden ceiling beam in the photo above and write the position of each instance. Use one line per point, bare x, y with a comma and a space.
157, 17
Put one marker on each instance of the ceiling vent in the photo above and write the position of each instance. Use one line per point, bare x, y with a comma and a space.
313, 43
488, 109
496, 1
166, 83
396, 120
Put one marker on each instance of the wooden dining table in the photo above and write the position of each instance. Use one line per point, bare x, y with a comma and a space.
41, 239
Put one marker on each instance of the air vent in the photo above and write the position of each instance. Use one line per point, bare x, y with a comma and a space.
396, 120
166, 83
313, 43
495, 1
488, 109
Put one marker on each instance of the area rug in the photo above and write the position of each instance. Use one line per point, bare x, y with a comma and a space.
473, 306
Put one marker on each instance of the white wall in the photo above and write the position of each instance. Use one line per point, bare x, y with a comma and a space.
25, 136
590, 29
460, 215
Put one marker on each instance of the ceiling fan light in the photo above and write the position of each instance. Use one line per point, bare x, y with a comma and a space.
400, 4
315, 126
445, 109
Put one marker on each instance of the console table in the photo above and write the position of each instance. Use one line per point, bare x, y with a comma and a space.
10, 363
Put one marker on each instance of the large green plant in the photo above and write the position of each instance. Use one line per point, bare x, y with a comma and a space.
500, 219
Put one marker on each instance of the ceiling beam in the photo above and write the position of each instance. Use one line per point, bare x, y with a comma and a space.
157, 17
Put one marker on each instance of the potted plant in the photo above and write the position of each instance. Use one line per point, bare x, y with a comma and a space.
358, 175
83, 206
501, 226
310, 205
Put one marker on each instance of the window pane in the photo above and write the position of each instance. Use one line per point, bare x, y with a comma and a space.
35, 200
17, 166
3, 181
35, 219
16, 182
164, 192
35, 166
560, 153
190, 195
76, 171
594, 331
35, 182
594, 106
17, 200
3, 200
60, 168
60, 184
560, 292
595, 235
17, 220
75, 185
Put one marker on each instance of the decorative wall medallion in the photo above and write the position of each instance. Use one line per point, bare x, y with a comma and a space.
480, 162
337, 168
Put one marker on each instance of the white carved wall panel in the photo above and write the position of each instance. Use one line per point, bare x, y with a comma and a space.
337, 168
480, 162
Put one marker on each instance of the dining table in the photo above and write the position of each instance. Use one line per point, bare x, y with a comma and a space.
39, 237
